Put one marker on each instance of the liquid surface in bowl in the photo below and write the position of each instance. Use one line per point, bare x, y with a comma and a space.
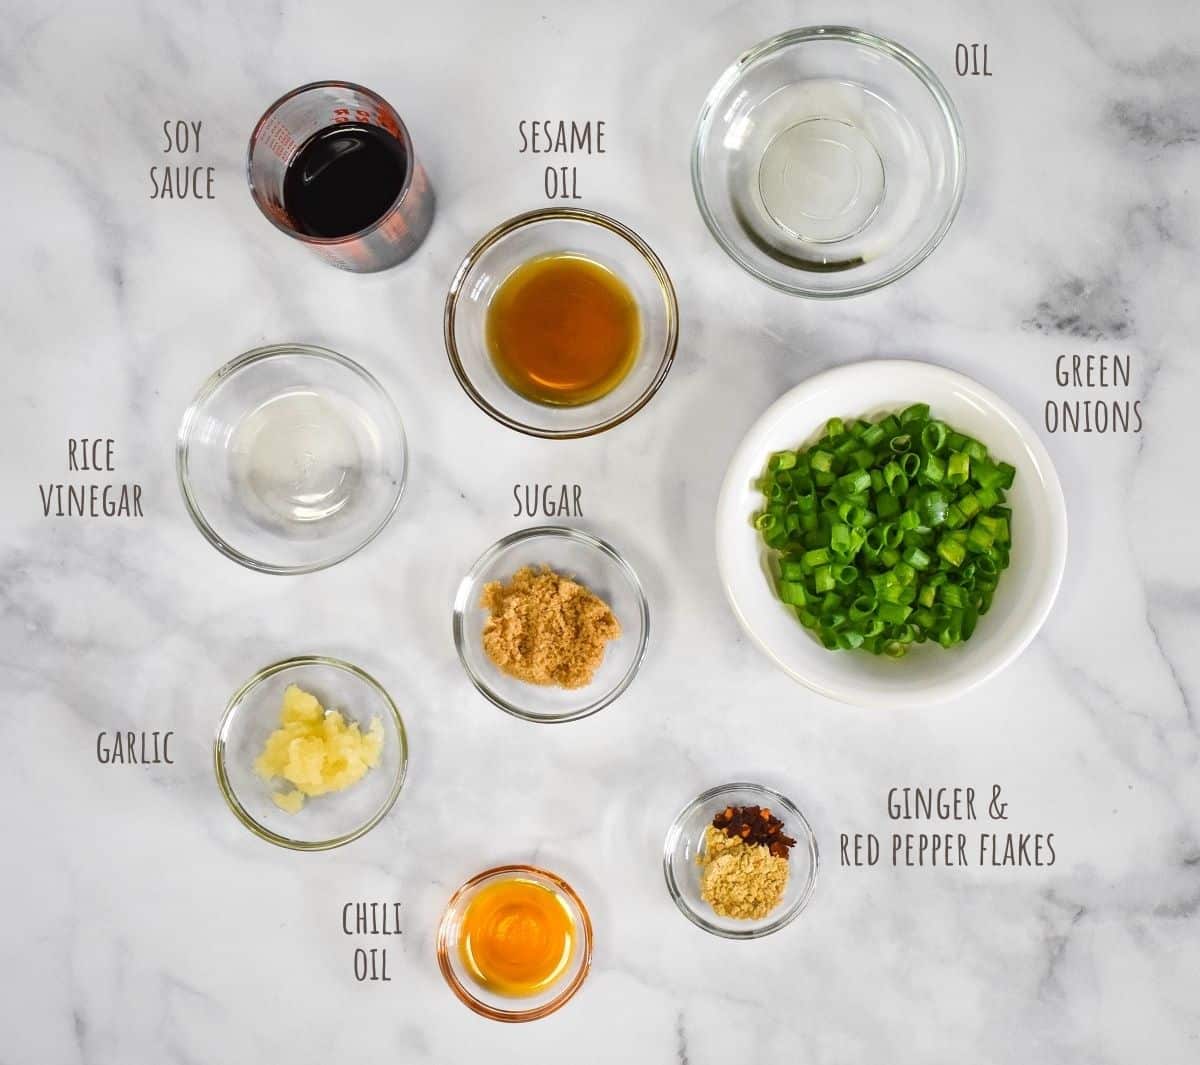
343, 179
563, 330
517, 937
827, 175
295, 458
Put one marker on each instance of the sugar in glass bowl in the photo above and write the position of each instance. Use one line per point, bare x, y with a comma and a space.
595, 564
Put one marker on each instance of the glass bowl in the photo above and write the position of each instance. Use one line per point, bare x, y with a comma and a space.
325, 821
566, 231
685, 840
291, 458
593, 563
489, 1003
828, 162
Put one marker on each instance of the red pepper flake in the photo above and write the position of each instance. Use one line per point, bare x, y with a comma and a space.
756, 825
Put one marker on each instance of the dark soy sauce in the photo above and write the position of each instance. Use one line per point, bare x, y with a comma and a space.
343, 179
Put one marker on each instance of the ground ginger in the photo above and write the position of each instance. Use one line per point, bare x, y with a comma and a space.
741, 880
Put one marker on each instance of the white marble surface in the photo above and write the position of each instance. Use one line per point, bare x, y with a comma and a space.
145, 925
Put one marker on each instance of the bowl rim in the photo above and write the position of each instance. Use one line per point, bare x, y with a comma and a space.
797, 820
586, 217
1052, 498
205, 392
882, 45
443, 946
463, 602
230, 795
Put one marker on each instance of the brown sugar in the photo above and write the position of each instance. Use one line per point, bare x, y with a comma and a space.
545, 628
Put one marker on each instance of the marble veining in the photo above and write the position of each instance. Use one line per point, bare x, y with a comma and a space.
145, 925
1089, 310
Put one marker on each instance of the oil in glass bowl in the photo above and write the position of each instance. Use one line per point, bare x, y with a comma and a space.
518, 937
563, 330
828, 161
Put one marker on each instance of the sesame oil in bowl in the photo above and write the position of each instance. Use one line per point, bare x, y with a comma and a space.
563, 329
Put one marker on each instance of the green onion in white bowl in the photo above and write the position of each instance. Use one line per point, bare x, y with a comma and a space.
1037, 532
891, 531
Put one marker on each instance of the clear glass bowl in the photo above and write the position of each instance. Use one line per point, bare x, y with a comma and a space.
325, 821
685, 841
828, 162
488, 1003
291, 458
528, 236
593, 563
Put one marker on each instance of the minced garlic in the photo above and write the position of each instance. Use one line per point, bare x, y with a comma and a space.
315, 751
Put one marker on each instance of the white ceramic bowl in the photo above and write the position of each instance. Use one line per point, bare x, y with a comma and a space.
929, 673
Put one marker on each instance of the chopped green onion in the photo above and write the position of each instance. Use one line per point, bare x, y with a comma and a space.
792, 593
958, 467
886, 504
818, 556
852, 483
893, 612
823, 579
932, 508
890, 533
952, 551
933, 436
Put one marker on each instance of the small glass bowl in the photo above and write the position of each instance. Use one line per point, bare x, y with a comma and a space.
291, 458
828, 162
529, 236
685, 841
488, 1003
326, 821
593, 563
